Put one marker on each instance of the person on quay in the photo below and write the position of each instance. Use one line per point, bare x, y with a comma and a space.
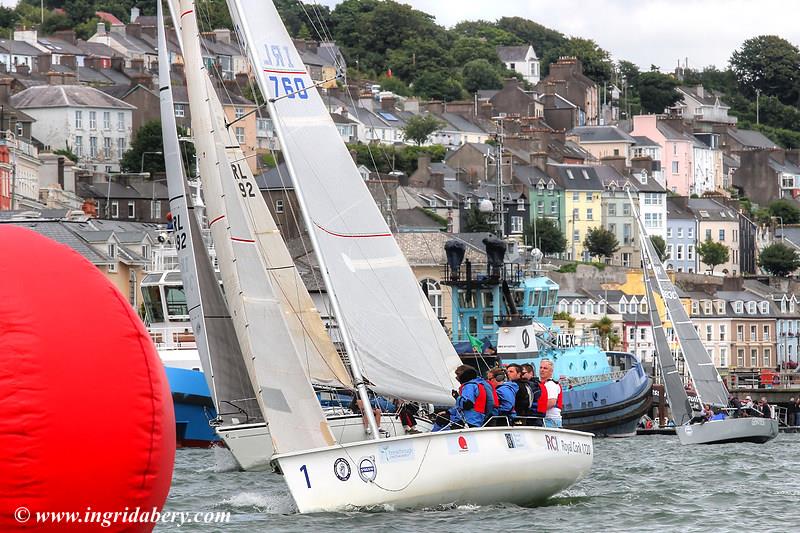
551, 400
507, 392
475, 401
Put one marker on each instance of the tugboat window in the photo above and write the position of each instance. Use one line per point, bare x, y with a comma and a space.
176, 302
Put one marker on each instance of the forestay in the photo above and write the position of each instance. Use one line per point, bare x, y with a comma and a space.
220, 356
706, 379
398, 342
284, 391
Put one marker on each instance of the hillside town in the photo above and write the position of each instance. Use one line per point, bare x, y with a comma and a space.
557, 157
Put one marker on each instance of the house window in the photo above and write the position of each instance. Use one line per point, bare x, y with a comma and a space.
106, 120
539, 207
521, 204
516, 224
576, 214
92, 120
107, 147
753, 357
131, 210
576, 236
92, 147
155, 210
753, 334
278, 206
642, 334
680, 233
114, 209
690, 233
679, 254
669, 251
589, 197
120, 147
767, 358
612, 209
722, 235
240, 135
708, 234
554, 208
740, 357
120, 121
690, 252
589, 214
669, 233
238, 111
79, 145
576, 196
626, 209
723, 356
708, 332
180, 111
765, 333
78, 119
434, 291
674, 167
740, 333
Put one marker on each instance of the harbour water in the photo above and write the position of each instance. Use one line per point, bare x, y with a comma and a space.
636, 484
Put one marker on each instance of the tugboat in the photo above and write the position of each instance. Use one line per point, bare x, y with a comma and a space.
605, 392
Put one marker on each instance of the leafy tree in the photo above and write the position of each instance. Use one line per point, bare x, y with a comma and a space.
779, 260
628, 72
385, 159
546, 42
600, 241
477, 221
295, 17
438, 85
419, 127
563, 315
786, 210
417, 56
394, 84
657, 91
608, 335
769, 64
713, 253
148, 139
485, 32
467, 49
548, 237
480, 74
660, 246
596, 62
8, 17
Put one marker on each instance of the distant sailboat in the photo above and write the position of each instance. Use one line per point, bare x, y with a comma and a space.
707, 381
392, 337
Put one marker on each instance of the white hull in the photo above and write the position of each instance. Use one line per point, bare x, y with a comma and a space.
520, 465
251, 444
757, 430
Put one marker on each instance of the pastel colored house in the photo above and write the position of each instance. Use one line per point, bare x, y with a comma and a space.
677, 150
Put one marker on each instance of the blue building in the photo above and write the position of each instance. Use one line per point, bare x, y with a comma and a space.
681, 236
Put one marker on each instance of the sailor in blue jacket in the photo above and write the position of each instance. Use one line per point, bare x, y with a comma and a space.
507, 388
475, 400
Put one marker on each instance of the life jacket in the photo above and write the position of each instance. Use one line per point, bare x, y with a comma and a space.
541, 405
480, 401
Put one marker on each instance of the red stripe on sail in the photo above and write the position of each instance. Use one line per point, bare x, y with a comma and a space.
237, 239
353, 235
186, 12
215, 220
274, 71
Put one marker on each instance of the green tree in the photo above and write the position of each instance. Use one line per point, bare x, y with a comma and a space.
779, 260
419, 127
478, 222
713, 253
608, 335
485, 32
563, 315
657, 91
769, 64
148, 139
548, 237
467, 49
600, 241
661, 247
438, 85
480, 74
66, 152
394, 84
597, 64
786, 210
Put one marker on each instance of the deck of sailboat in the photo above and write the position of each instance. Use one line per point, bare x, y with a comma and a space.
750, 429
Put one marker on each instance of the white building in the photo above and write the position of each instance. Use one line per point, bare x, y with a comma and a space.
91, 123
521, 59
705, 169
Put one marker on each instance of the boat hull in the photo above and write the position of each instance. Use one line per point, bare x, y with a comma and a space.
758, 430
616, 408
193, 408
251, 444
520, 465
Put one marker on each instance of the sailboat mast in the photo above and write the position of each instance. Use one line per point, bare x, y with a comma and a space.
358, 379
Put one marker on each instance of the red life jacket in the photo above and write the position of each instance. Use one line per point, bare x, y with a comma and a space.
480, 401
541, 406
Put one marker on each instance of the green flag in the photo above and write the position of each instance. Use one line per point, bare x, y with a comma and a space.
476, 343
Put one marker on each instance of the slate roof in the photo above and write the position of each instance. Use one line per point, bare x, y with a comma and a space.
671, 134
274, 178
676, 211
511, 54
460, 123
61, 233
709, 98
644, 141
597, 134
716, 211
786, 167
584, 177
415, 220
59, 46
95, 49
20, 48
751, 138
66, 96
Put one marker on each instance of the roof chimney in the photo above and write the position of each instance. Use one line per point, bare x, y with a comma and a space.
70, 78
539, 160
134, 13
118, 63
137, 64
23, 70
223, 35
55, 78
43, 63
5, 89
134, 29
101, 28
387, 103
66, 35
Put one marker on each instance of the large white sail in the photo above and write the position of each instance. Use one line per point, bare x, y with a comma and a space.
220, 355
283, 389
400, 346
706, 379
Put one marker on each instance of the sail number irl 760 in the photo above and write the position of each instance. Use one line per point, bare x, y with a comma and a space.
288, 87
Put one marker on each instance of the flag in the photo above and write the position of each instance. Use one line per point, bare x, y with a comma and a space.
476, 343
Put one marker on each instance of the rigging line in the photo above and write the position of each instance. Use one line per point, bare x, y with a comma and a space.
303, 90
342, 321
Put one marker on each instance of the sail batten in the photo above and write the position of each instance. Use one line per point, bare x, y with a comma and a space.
393, 329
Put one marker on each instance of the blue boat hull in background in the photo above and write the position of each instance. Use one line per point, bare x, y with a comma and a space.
193, 408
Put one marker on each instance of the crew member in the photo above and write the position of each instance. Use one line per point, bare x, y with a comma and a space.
526, 402
551, 399
507, 391
475, 400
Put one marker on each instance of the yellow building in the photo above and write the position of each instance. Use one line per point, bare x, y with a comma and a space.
582, 204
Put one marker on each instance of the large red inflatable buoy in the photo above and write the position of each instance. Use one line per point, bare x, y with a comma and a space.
88, 424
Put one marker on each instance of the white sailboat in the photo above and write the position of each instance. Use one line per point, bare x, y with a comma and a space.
707, 381
248, 437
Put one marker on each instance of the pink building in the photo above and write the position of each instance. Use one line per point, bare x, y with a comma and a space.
676, 152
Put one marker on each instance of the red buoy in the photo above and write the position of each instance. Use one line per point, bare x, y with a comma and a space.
88, 423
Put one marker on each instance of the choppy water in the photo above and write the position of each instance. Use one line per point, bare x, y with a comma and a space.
636, 484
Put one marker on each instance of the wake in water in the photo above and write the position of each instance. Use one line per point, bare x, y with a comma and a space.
275, 503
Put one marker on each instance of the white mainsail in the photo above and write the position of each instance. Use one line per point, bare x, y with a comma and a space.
397, 340
233, 202
706, 379
220, 355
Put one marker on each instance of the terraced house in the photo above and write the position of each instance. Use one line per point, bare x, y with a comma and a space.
582, 204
